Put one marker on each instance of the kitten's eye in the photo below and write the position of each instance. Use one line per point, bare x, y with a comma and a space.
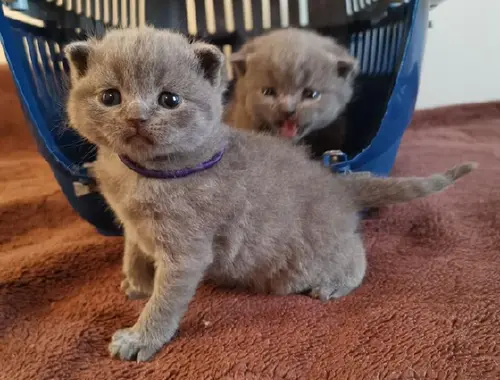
111, 97
268, 91
169, 100
310, 94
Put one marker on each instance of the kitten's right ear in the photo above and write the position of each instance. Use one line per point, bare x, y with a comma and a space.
212, 62
78, 56
239, 62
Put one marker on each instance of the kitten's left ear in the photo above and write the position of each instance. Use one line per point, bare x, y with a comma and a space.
347, 67
212, 61
239, 62
78, 56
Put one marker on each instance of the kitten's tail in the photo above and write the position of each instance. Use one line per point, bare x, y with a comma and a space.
369, 191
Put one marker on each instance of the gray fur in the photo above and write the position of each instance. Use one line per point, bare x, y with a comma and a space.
370, 191
291, 61
265, 217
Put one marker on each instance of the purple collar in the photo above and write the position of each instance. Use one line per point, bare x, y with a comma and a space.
170, 174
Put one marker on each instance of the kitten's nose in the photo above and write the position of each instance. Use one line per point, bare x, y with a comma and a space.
290, 114
136, 123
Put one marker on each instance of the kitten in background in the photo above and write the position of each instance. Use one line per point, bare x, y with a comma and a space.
292, 82
199, 200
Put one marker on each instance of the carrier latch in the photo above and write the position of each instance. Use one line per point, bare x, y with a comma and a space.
82, 188
331, 159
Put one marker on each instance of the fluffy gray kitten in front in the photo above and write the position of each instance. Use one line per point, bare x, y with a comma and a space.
265, 217
291, 82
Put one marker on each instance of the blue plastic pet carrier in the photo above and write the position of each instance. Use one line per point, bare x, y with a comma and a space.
387, 37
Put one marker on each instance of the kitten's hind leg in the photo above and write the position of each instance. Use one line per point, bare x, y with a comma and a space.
328, 291
347, 277
139, 272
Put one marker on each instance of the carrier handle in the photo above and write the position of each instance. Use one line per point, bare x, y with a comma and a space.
17, 5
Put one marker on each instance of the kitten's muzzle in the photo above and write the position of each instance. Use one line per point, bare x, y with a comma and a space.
288, 128
289, 114
136, 129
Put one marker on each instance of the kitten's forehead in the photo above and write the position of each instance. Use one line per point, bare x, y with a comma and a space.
294, 58
292, 68
145, 57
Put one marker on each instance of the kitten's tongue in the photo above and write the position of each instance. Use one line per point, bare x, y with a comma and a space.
288, 128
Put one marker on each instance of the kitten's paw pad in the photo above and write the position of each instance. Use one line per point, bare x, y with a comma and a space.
126, 344
132, 292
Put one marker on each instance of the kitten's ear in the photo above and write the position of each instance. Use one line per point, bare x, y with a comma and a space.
78, 56
239, 63
212, 61
347, 67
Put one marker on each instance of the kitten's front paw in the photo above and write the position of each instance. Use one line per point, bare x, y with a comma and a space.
133, 292
126, 344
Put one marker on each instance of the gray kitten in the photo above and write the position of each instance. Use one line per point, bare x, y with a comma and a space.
259, 214
291, 82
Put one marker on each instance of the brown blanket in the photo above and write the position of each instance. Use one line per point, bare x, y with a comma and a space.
429, 308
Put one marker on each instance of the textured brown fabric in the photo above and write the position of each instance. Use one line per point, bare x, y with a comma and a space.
429, 308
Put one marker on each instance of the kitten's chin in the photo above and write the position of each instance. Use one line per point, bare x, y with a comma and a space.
136, 149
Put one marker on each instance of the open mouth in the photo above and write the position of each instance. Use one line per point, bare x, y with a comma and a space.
288, 128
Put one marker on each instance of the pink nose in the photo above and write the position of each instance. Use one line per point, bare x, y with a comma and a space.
136, 123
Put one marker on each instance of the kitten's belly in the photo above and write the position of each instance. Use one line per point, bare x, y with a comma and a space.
245, 263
